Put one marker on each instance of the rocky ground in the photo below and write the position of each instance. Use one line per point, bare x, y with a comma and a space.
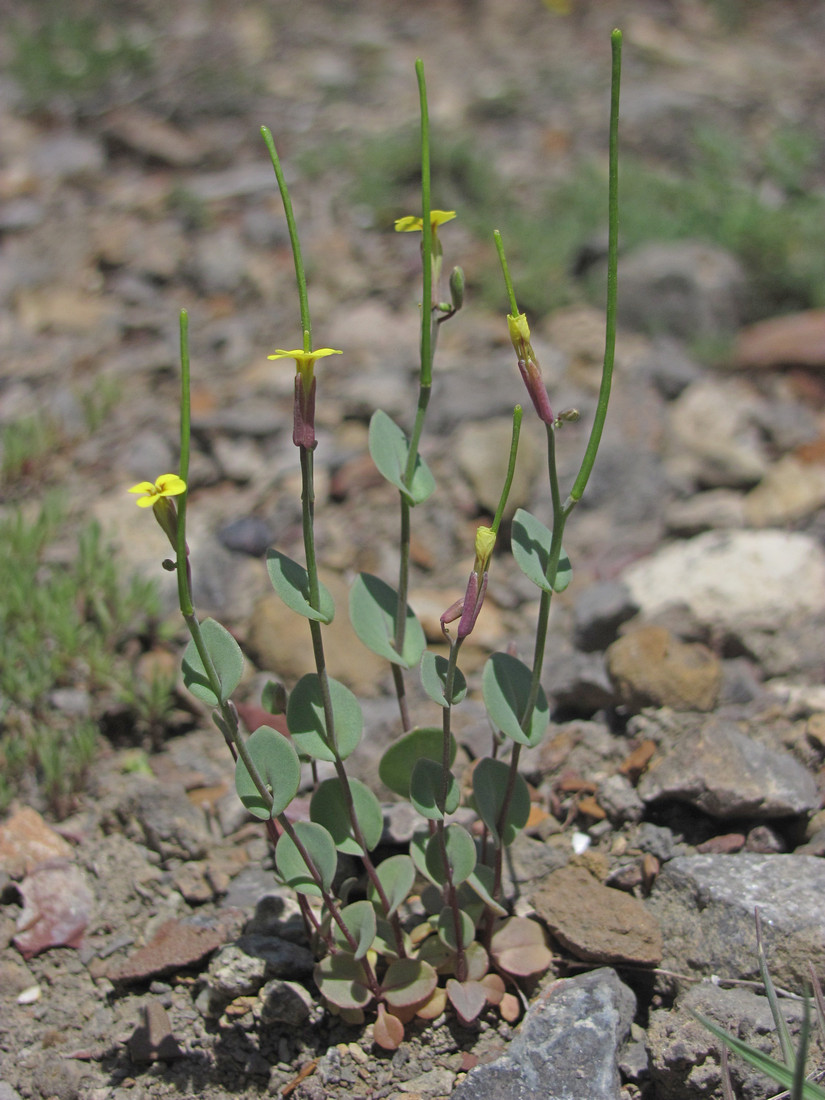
145, 947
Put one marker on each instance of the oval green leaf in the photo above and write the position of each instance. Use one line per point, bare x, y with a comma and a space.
397, 763
279, 767
505, 686
291, 581
321, 851
328, 807
373, 612
427, 788
396, 875
461, 856
389, 449
490, 778
307, 723
342, 980
481, 882
434, 678
361, 924
446, 928
226, 657
408, 981
531, 548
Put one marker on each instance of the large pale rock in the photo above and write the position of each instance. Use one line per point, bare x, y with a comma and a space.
759, 579
650, 667
566, 1047
726, 774
706, 902
714, 437
595, 922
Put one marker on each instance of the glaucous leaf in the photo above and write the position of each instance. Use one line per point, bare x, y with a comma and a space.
397, 763
396, 875
461, 856
342, 980
434, 677
373, 612
389, 449
306, 720
328, 807
278, 765
320, 849
531, 542
490, 778
447, 930
427, 788
408, 982
227, 660
291, 581
361, 924
505, 687
469, 999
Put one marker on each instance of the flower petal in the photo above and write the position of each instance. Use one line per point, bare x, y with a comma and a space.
170, 485
143, 487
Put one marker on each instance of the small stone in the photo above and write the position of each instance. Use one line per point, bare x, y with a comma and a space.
287, 1003
650, 667
714, 439
595, 922
26, 840
618, 797
57, 907
790, 491
153, 1041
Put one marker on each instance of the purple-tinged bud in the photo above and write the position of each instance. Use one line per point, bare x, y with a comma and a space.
536, 388
303, 421
473, 599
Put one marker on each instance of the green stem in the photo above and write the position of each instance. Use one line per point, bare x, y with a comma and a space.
300, 274
426, 232
508, 282
181, 562
450, 892
612, 276
511, 468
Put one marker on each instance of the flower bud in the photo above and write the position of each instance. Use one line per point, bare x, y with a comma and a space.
457, 288
536, 388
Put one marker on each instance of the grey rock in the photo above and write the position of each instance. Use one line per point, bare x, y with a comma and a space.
713, 510
248, 535
726, 774
283, 959
579, 684
67, 155
684, 1055
618, 798
288, 1003
169, 823
658, 840
669, 368
483, 450
706, 902
8, 1093
566, 1047
240, 969
680, 288
600, 611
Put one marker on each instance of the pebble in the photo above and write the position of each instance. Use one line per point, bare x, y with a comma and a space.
599, 612
175, 946
26, 840
153, 1041
795, 339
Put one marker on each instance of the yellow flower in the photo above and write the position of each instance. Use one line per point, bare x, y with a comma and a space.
304, 360
519, 329
485, 541
411, 224
167, 485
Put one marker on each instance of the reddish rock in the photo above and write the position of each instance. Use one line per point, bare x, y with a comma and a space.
795, 340
26, 840
595, 922
58, 903
153, 1041
173, 947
